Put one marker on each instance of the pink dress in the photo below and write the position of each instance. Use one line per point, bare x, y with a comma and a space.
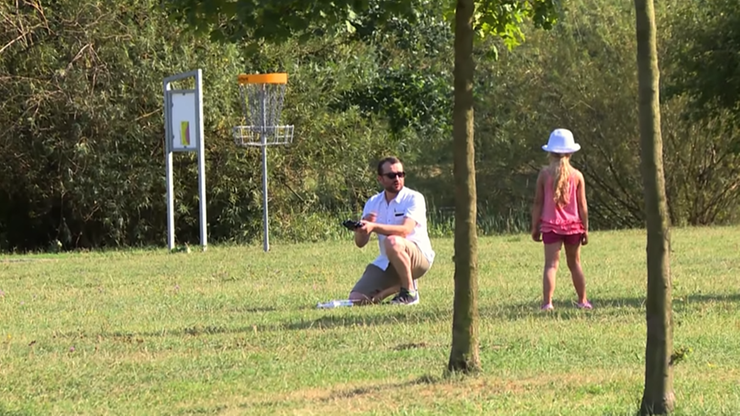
563, 220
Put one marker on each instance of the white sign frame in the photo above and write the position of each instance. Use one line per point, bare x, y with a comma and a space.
183, 127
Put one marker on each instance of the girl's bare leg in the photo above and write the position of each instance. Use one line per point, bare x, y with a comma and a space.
552, 258
573, 256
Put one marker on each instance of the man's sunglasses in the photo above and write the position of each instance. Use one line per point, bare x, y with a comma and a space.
394, 175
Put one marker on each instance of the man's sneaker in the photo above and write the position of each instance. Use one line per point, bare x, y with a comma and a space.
416, 288
405, 297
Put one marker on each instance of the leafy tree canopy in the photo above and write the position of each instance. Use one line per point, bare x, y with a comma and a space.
279, 20
706, 54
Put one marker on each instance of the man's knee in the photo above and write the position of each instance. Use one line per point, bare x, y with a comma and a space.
395, 243
359, 297
373, 280
355, 295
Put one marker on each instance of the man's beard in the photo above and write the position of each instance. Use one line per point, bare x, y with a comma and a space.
391, 189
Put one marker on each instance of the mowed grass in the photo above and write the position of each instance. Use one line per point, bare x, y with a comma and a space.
235, 331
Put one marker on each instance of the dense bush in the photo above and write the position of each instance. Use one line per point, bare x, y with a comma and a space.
81, 145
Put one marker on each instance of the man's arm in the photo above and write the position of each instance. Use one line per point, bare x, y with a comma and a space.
403, 230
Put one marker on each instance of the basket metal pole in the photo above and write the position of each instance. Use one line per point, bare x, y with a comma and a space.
263, 134
201, 162
168, 167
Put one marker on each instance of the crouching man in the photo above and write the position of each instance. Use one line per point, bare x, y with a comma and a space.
398, 216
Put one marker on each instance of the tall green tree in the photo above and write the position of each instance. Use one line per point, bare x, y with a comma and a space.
658, 397
706, 51
271, 21
464, 354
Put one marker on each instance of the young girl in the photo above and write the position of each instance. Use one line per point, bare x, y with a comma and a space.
560, 215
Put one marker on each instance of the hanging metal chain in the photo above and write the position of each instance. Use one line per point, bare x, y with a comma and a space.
262, 105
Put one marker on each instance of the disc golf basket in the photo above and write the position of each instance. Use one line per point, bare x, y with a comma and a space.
261, 97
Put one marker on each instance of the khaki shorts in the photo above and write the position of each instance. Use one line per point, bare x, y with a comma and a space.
376, 280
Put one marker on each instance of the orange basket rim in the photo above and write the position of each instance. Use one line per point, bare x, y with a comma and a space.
275, 78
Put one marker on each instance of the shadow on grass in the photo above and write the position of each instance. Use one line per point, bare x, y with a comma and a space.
679, 302
334, 394
24, 260
405, 316
7, 412
351, 393
380, 315
359, 391
256, 309
399, 316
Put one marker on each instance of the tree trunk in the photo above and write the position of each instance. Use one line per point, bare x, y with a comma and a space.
464, 355
658, 397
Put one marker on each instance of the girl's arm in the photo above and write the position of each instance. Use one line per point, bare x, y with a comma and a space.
582, 204
539, 196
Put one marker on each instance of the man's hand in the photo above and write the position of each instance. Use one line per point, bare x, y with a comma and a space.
362, 233
365, 229
368, 224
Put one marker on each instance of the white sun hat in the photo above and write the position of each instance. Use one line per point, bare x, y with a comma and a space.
561, 141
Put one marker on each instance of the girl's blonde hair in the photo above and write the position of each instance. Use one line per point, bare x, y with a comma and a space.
561, 173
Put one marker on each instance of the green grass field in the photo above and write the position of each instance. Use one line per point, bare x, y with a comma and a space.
235, 331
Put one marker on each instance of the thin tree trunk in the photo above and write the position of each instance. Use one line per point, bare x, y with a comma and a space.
658, 397
464, 355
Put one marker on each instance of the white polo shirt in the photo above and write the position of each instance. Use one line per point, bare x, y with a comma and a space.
408, 203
